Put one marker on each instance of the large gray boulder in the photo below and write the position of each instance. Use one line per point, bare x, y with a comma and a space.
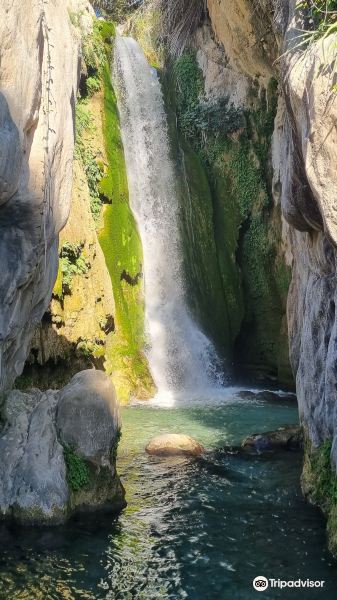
58, 451
88, 416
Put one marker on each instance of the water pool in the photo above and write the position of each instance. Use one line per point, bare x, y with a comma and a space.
194, 529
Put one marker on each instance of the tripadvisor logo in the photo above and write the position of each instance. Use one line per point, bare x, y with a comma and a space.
260, 584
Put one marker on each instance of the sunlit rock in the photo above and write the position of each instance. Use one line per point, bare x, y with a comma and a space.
173, 444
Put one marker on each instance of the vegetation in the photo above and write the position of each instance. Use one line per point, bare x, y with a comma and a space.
117, 10
234, 147
319, 21
96, 48
197, 118
71, 263
122, 249
78, 473
320, 17
118, 235
145, 26
319, 483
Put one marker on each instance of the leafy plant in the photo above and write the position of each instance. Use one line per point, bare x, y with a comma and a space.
198, 118
320, 20
94, 174
83, 124
93, 85
78, 474
96, 45
72, 262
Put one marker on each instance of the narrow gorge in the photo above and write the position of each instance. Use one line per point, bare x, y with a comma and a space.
168, 331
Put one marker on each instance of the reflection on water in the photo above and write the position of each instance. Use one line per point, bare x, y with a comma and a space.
195, 529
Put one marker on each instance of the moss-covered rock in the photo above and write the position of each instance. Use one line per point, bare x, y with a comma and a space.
233, 147
100, 269
319, 485
59, 451
121, 244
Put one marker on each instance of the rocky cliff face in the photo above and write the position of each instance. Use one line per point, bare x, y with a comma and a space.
38, 85
49, 468
304, 183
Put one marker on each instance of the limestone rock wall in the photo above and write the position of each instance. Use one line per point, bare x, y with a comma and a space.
308, 179
304, 183
236, 50
76, 327
39, 51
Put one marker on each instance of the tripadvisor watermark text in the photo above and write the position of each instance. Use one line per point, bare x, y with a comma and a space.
260, 584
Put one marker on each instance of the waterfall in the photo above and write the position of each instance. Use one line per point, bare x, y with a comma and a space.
181, 357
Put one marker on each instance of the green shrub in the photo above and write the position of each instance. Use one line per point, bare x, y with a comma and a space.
325, 481
319, 21
93, 85
78, 474
72, 262
92, 168
198, 118
94, 174
96, 45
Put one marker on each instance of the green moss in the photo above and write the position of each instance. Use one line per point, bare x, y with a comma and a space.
118, 234
210, 238
71, 262
78, 474
121, 244
319, 483
209, 235
234, 148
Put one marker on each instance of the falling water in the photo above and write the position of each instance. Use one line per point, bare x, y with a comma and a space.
181, 357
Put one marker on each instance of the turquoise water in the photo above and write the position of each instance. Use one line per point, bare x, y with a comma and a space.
194, 529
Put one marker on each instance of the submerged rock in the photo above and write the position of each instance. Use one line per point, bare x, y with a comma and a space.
58, 451
287, 438
173, 444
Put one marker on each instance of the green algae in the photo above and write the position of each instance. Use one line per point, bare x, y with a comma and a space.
118, 235
121, 244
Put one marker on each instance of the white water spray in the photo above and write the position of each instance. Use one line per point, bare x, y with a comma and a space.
181, 357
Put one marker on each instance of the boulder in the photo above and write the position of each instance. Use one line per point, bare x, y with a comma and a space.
88, 417
286, 438
173, 444
58, 451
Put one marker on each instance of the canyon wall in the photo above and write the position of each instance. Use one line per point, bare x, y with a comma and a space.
304, 184
58, 449
39, 77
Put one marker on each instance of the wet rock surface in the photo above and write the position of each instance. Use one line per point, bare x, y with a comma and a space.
174, 445
286, 438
